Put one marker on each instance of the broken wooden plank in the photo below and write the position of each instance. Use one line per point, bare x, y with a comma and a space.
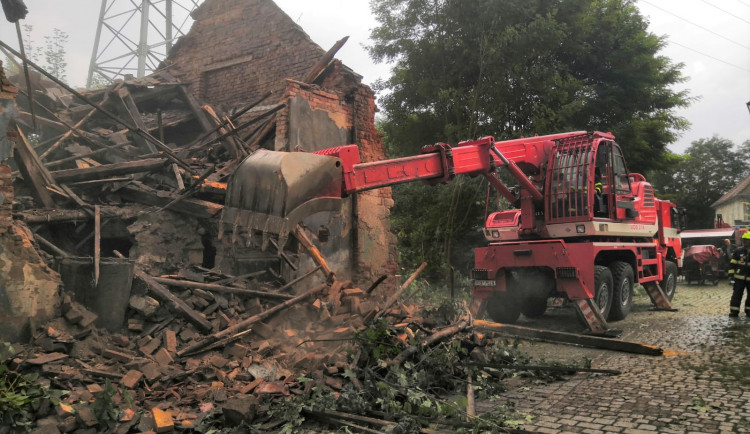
129, 109
196, 109
31, 166
199, 140
70, 215
194, 207
228, 131
105, 170
324, 61
49, 245
242, 325
79, 123
174, 302
222, 289
314, 253
299, 279
164, 148
568, 338
394, 298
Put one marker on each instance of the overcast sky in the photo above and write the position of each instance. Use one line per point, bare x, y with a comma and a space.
711, 37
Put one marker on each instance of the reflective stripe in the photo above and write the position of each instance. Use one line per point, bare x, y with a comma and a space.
733, 261
734, 308
739, 277
731, 271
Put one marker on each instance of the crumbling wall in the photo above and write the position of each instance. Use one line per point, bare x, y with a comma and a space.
29, 289
166, 242
317, 118
237, 50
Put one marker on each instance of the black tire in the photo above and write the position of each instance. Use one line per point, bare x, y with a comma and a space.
603, 285
669, 284
534, 307
503, 307
622, 290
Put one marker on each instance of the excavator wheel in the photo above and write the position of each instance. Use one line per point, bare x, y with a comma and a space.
503, 307
669, 284
534, 307
622, 291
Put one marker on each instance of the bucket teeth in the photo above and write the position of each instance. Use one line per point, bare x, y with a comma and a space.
271, 192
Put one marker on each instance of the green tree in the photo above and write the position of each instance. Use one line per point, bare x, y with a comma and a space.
54, 54
463, 69
708, 169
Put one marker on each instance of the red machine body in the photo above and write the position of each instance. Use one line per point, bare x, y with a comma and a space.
583, 229
581, 220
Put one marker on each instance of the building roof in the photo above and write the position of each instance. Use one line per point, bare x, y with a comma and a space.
736, 191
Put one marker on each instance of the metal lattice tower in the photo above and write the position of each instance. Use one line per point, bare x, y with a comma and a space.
138, 35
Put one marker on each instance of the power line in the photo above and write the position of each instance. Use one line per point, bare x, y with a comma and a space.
726, 12
743, 3
696, 25
708, 55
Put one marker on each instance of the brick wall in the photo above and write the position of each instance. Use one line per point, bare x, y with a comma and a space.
237, 50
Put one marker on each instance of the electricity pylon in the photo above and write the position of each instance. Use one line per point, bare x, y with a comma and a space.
138, 36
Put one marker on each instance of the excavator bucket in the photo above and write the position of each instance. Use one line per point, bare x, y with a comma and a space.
270, 192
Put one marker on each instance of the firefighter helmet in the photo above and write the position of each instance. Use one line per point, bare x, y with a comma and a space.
746, 236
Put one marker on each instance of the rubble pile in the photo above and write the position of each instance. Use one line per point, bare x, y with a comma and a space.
332, 356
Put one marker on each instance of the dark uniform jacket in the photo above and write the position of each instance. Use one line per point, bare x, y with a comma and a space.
739, 267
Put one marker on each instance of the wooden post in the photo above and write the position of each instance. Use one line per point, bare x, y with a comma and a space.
97, 242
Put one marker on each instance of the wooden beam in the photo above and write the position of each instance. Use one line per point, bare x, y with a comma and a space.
106, 170
97, 242
172, 301
323, 63
130, 110
568, 338
212, 287
193, 207
31, 167
243, 325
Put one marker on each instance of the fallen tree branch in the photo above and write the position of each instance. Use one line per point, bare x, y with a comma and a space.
432, 339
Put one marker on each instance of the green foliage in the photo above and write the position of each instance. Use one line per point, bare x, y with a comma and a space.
708, 169
507, 68
106, 407
54, 53
20, 395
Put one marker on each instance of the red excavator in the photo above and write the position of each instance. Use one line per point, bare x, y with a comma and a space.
583, 228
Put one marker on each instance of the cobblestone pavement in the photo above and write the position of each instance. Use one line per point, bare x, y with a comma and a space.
701, 384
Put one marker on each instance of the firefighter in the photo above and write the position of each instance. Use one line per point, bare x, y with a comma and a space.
739, 275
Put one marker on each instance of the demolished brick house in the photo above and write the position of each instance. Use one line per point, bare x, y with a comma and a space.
239, 49
237, 53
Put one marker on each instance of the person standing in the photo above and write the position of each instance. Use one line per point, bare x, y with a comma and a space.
739, 275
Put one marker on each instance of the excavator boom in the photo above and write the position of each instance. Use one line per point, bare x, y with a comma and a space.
271, 191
